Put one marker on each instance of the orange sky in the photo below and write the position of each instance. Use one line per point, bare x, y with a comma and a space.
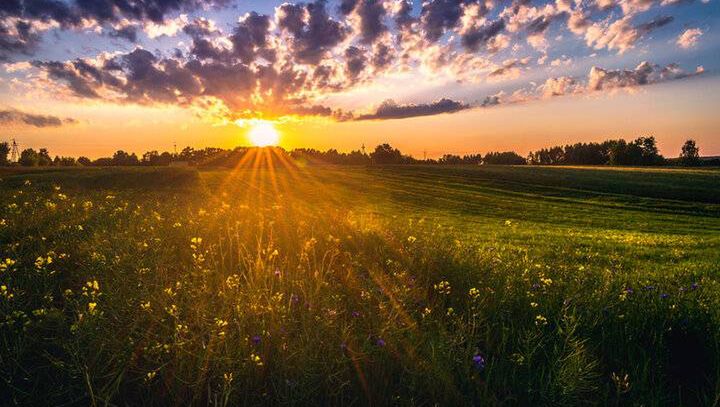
672, 112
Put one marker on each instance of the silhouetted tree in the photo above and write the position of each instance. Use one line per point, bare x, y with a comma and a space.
84, 161
29, 158
44, 159
504, 158
4, 152
64, 161
690, 154
121, 158
386, 154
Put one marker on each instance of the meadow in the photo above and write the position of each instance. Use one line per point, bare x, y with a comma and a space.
282, 284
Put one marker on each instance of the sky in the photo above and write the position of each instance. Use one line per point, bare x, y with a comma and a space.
89, 77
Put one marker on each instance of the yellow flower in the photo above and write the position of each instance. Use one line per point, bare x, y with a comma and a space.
91, 307
540, 320
443, 287
256, 359
474, 293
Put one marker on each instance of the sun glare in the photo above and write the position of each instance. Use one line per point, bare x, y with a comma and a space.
263, 134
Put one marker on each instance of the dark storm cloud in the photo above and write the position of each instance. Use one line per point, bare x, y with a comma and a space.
15, 117
389, 109
474, 39
312, 37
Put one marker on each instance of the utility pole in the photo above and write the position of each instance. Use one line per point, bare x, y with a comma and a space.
424, 155
175, 147
363, 148
14, 152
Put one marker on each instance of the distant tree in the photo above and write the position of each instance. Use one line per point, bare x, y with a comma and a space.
103, 162
450, 159
4, 152
386, 154
84, 161
690, 154
153, 158
121, 158
64, 162
29, 158
504, 158
44, 159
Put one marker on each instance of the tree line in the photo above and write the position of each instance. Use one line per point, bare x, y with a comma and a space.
642, 151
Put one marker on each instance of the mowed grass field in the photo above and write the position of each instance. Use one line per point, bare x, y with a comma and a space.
287, 285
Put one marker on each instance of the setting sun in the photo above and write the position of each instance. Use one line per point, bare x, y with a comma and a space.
263, 134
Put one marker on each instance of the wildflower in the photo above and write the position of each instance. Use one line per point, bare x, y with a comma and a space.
443, 287
91, 307
4, 292
294, 299
663, 296
256, 340
694, 286
411, 239
426, 312
145, 306
546, 281
479, 362
355, 314
380, 342
450, 311
150, 375
533, 304
474, 293
6, 264
540, 320
256, 359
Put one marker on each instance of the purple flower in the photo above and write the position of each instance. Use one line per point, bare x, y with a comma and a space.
663, 295
649, 287
256, 340
629, 290
694, 286
479, 362
294, 299
355, 314
380, 342
277, 272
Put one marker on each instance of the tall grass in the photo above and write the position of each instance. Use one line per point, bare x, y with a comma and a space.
126, 294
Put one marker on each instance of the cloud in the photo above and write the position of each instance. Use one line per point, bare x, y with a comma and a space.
643, 74
621, 34
389, 109
313, 33
689, 38
16, 117
473, 39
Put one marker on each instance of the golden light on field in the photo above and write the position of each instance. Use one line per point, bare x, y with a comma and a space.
263, 134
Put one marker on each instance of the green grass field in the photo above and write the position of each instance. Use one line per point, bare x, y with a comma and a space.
401, 285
